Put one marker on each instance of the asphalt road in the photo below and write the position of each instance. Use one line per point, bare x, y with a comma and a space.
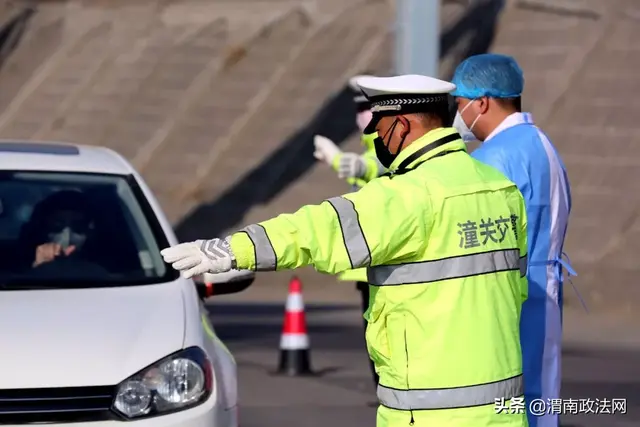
342, 392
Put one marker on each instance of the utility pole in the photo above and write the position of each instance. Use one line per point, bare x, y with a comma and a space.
417, 48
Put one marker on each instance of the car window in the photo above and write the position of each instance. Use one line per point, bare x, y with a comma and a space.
77, 230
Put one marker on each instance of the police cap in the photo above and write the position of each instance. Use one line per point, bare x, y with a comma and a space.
405, 94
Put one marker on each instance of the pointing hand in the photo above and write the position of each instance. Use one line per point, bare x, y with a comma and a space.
199, 257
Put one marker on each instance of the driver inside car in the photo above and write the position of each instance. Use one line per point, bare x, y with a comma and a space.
59, 229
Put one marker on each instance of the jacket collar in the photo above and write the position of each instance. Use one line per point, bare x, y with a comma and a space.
512, 120
428, 146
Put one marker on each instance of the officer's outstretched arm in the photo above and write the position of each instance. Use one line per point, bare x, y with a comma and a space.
382, 223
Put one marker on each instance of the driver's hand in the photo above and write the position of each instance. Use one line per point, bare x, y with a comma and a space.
47, 252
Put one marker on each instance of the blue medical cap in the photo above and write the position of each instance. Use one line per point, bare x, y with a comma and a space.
492, 75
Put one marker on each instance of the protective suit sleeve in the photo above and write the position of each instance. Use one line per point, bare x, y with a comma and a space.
382, 223
519, 224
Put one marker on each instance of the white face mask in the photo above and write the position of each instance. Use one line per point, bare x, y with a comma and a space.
363, 118
67, 237
461, 126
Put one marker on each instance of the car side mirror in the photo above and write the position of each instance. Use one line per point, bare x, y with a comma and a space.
210, 285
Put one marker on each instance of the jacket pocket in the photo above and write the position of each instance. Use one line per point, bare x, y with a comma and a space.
399, 349
376, 335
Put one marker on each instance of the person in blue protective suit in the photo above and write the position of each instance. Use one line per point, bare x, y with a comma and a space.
488, 96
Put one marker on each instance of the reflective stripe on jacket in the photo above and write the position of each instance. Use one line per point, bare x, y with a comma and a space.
373, 170
444, 240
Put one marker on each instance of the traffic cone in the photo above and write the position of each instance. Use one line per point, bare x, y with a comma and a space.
294, 342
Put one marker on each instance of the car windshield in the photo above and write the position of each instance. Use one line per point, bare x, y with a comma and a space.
61, 230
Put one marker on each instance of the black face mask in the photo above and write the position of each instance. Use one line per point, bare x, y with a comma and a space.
383, 154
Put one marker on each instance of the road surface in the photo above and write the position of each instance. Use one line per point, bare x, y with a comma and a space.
342, 393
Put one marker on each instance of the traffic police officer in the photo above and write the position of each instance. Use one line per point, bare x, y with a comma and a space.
357, 169
443, 238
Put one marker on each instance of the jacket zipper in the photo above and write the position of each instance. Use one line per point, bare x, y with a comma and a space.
406, 352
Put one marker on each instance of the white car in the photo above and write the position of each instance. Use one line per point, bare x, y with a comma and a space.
95, 327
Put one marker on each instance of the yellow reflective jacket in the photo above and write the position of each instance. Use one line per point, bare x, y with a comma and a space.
373, 169
444, 243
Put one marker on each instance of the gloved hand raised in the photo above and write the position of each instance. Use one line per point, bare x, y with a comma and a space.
325, 149
199, 257
351, 165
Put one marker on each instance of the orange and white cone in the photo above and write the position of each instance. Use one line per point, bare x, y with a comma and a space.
294, 342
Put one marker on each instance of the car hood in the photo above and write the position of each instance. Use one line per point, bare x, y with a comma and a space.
82, 337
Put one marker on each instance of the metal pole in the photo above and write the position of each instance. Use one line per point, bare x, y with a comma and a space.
417, 47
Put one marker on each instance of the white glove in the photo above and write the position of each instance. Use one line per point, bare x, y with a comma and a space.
351, 165
199, 257
326, 150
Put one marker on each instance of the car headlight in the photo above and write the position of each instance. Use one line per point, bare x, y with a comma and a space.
179, 381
